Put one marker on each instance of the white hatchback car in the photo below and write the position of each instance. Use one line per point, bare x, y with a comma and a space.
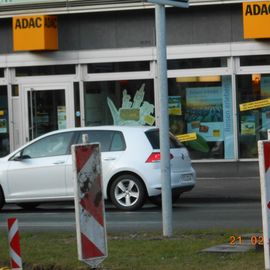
41, 170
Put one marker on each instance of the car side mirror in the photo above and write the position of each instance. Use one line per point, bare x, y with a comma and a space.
21, 157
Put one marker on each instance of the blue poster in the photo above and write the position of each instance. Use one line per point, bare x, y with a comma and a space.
228, 118
204, 113
265, 93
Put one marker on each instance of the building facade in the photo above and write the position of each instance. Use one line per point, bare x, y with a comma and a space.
104, 68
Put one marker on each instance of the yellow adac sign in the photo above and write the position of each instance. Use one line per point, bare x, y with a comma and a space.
256, 19
32, 33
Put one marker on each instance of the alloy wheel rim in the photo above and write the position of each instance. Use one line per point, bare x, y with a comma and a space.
127, 192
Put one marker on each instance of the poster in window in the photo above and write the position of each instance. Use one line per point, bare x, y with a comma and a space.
175, 105
61, 117
204, 112
3, 126
248, 124
265, 93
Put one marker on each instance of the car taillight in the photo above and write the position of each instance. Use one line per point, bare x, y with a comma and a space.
155, 157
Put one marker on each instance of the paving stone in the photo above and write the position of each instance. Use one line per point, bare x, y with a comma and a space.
227, 248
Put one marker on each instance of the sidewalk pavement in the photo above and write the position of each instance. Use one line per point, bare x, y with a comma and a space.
222, 189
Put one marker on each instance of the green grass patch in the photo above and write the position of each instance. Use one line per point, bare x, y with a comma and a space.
144, 251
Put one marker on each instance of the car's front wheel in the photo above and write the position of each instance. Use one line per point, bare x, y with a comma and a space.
127, 192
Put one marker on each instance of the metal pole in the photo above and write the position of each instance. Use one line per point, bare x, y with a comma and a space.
164, 119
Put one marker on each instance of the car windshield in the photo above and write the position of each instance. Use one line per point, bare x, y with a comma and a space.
153, 137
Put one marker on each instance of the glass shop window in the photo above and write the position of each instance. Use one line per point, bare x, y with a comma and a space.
77, 105
197, 63
253, 112
125, 102
255, 60
4, 126
118, 67
200, 108
45, 70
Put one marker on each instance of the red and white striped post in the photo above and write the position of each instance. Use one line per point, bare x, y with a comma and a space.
89, 204
264, 164
14, 244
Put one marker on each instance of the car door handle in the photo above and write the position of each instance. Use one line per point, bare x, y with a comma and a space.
59, 162
109, 158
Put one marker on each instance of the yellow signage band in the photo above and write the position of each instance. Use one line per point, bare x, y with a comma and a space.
254, 105
187, 137
256, 19
36, 32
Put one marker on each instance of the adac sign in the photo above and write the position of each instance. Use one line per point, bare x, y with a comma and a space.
256, 19
32, 33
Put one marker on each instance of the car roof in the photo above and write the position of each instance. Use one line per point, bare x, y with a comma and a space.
114, 128
117, 128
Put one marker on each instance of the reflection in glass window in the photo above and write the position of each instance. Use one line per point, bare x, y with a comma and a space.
255, 60
77, 105
253, 122
54, 145
45, 70
197, 63
118, 67
126, 102
4, 126
202, 105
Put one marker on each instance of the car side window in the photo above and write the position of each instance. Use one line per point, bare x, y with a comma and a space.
109, 140
54, 145
118, 142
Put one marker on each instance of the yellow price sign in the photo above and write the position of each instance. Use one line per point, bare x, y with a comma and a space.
149, 119
187, 137
254, 104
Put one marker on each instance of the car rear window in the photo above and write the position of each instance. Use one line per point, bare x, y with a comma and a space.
153, 137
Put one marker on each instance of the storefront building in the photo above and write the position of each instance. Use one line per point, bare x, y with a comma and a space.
96, 65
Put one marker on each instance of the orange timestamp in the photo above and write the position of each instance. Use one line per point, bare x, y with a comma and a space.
255, 240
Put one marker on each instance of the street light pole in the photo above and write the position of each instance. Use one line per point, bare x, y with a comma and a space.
160, 14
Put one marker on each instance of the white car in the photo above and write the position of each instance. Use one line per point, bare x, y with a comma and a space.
41, 170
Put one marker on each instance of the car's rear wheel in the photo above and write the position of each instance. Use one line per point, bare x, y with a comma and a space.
2, 198
127, 192
28, 206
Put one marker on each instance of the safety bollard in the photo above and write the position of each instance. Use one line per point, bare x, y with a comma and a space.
14, 244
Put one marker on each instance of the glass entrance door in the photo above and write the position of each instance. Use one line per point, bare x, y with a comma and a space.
46, 111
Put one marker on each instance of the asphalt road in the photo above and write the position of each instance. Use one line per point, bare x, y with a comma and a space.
227, 203
186, 215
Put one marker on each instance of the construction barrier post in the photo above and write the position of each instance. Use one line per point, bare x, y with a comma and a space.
14, 244
264, 165
89, 204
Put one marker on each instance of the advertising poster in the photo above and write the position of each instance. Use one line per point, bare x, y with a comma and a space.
61, 116
228, 117
3, 126
248, 125
205, 112
175, 105
265, 93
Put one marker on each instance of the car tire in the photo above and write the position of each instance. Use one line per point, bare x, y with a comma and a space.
2, 198
127, 192
28, 206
